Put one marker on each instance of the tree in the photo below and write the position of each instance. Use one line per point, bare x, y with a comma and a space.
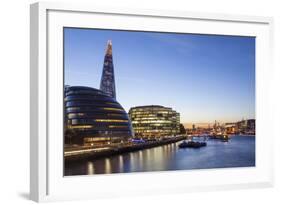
182, 129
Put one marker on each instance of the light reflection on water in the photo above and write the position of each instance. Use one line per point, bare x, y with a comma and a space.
91, 169
121, 164
107, 166
238, 152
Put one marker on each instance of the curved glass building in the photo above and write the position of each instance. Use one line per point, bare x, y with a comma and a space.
154, 121
94, 118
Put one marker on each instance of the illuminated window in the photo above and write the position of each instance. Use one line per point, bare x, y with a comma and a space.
117, 126
111, 103
72, 115
111, 108
80, 126
110, 120
94, 139
73, 108
114, 114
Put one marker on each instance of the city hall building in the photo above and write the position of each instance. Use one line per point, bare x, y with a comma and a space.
154, 121
92, 116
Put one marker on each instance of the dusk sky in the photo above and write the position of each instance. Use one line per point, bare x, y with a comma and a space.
203, 77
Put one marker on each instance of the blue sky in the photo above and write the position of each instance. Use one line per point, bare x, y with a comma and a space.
204, 77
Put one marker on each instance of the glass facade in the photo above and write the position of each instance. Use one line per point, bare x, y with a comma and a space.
246, 126
93, 118
107, 84
154, 121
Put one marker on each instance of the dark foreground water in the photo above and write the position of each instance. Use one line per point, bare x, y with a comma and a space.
239, 151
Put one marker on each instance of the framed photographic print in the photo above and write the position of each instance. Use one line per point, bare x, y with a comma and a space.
147, 101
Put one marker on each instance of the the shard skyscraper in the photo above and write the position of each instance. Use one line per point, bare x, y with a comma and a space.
107, 84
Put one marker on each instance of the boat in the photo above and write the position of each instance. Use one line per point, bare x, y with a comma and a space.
220, 136
192, 144
225, 138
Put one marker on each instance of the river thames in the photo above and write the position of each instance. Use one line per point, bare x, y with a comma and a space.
239, 151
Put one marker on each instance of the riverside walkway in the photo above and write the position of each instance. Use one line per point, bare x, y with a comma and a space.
84, 153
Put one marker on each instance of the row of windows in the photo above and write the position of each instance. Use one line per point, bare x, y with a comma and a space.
95, 115
153, 115
91, 104
93, 109
73, 115
151, 108
110, 120
152, 121
87, 96
80, 126
106, 127
110, 108
151, 112
153, 118
78, 91
97, 121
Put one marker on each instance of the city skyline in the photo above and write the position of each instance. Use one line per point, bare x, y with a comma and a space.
203, 77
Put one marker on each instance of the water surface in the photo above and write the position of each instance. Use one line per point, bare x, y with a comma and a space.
239, 151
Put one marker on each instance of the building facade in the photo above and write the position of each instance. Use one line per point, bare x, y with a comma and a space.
154, 121
246, 126
94, 118
107, 83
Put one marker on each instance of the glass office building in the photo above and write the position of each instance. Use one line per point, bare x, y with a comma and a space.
107, 83
154, 121
94, 118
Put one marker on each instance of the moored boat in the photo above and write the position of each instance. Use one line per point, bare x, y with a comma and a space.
192, 144
220, 136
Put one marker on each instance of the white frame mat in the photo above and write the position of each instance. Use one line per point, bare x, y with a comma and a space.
47, 182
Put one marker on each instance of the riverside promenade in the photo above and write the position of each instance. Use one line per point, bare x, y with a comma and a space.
85, 153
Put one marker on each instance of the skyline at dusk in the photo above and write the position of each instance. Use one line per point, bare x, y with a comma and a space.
203, 77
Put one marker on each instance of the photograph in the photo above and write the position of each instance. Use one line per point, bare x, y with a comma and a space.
149, 101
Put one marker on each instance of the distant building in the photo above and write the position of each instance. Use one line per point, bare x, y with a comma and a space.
230, 128
154, 121
193, 127
246, 126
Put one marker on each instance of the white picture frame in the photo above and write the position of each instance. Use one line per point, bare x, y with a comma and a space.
47, 182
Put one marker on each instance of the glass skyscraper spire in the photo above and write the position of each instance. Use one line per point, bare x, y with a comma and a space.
94, 117
107, 84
